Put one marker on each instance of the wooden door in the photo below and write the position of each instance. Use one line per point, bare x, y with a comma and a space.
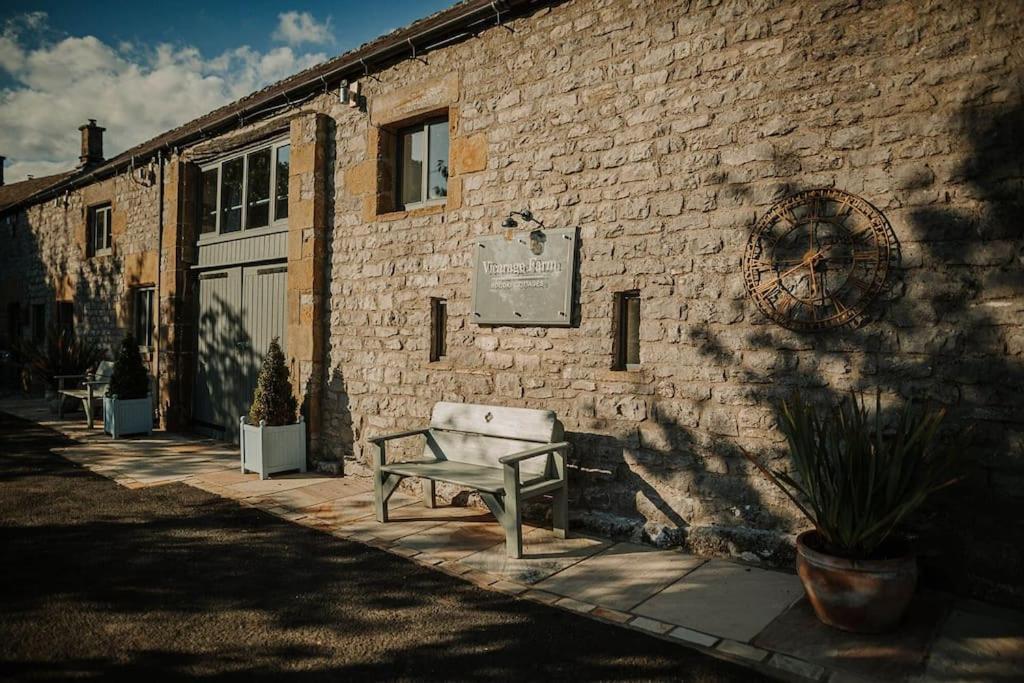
240, 310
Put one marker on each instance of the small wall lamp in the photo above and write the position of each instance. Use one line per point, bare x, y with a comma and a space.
525, 214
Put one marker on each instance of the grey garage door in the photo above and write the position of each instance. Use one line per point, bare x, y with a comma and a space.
240, 310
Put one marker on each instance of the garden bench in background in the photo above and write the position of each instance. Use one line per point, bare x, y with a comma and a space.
507, 455
93, 388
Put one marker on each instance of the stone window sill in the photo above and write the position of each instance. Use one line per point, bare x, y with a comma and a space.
412, 213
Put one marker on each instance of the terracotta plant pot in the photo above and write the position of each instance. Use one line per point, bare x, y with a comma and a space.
863, 596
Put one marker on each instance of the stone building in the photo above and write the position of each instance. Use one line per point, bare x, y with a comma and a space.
662, 131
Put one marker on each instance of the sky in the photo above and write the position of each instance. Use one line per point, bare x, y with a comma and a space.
143, 68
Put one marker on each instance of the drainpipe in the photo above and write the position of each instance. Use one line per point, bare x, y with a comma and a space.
159, 282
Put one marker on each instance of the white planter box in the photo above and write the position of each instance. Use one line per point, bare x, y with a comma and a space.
132, 416
266, 450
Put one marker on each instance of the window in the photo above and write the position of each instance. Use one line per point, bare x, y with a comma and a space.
422, 159
281, 183
438, 329
66, 317
38, 323
99, 236
144, 317
231, 195
245, 192
208, 222
626, 322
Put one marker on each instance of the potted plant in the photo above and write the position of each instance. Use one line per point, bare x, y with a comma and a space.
271, 438
62, 354
857, 477
128, 404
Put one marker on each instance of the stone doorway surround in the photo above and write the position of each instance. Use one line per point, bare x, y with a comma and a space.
754, 616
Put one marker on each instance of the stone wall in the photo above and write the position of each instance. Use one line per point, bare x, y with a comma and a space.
663, 130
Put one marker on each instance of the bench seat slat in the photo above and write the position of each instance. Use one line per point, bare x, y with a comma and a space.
78, 393
488, 479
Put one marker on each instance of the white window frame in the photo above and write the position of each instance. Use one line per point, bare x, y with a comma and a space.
423, 125
108, 229
272, 224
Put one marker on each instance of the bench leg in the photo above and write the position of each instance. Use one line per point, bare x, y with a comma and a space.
560, 514
429, 493
88, 412
512, 520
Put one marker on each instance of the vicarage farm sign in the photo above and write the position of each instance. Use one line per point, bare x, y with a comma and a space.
525, 278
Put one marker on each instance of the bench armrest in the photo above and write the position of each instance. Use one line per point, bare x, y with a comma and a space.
533, 452
97, 382
68, 376
397, 435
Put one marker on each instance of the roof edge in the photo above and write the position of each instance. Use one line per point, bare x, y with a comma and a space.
422, 35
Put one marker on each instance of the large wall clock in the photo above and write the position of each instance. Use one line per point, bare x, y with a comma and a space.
817, 260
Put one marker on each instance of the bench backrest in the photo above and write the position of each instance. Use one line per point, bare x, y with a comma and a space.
104, 371
481, 434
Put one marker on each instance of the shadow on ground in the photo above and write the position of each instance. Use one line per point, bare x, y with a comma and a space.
98, 579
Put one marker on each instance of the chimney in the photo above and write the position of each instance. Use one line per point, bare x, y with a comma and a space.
2, 160
92, 144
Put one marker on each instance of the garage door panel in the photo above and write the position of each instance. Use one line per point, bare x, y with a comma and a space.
240, 310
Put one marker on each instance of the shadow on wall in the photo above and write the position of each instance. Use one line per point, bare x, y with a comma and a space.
949, 331
100, 305
226, 363
341, 428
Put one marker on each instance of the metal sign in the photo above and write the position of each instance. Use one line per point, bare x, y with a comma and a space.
524, 278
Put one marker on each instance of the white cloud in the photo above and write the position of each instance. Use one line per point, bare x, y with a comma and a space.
296, 28
134, 92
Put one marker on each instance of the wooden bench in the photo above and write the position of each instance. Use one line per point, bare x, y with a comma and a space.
93, 388
507, 455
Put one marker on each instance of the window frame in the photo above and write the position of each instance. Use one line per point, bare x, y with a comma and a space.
273, 223
438, 329
92, 212
422, 125
151, 327
621, 330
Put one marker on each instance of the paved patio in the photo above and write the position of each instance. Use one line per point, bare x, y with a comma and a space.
743, 613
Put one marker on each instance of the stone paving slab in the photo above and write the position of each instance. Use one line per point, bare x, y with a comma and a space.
454, 541
725, 599
266, 487
622, 576
891, 656
301, 497
341, 510
978, 643
413, 519
544, 554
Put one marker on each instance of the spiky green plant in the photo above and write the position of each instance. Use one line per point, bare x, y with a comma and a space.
273, 399
62, 353
129, 379
855, 478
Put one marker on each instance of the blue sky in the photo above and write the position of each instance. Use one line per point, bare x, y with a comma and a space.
142, 68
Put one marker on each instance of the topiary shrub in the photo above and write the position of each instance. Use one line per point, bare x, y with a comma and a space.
130, 379
273, 400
